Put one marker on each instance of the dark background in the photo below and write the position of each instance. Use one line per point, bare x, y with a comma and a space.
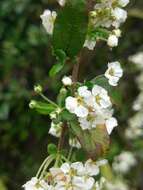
25, 59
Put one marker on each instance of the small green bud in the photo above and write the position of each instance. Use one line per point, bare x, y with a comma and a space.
32, 104
38, 89
93, 14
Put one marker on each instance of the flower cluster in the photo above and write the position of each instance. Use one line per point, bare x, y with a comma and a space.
72, 176
107, 14
123, 162
92, 107
135, 123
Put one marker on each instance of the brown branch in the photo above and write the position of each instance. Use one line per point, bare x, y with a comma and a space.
62, 137
90, 4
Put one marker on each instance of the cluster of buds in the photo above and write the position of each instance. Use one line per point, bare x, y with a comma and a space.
108, 15
74, 176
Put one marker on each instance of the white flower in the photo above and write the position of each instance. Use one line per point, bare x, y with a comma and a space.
137, 59
84, 92
67, 81
91, 168
90, 44
81, 111
112, 40
123, 162
62, 2
73, 142
48, 19
83, 183
65, 167
35, 184
111, 124
79, 168
120, 16
102, 162
114, 73
123, 3
84, 123
55, 129
102, 99
76, 107
71, 104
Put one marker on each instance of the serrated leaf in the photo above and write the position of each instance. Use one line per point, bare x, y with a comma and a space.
95, 141
71, 27
44, 108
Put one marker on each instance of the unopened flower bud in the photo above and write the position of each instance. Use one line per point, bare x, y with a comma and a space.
117, 32
67, 81
32, 104
112, 41
38, 89
93, 13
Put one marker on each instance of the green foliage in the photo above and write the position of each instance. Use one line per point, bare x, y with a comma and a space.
61, 58
71, 27
44, 108
52, 149
25, 59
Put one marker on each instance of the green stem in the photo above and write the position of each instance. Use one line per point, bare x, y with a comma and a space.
48, 100
70, 153
50, 159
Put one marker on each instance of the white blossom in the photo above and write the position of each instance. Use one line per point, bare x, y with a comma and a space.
120, 16
137, 59
55, 129
61, 2
84, 92
90, 44
81, 111
114, 73
48, 19
102, 99
112, 40
75, 176
71, 104
35, 184
123, 162
73, 142
117, 32
123, 3
91, 168
67, 81
111, 124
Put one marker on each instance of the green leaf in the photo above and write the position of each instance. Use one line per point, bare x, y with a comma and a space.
98, 33
52, 148
71, 27
102, 81
56, 69
95, 141
44, 108
67, 116
62, 96
61, 58
60, 55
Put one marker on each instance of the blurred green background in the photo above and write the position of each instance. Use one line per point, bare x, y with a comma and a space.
25, 59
